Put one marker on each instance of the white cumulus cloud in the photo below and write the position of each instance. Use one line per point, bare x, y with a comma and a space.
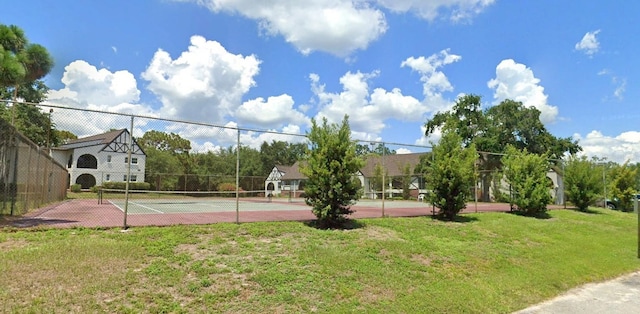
339, 27
335, 26
205, 83
620, 148
367, 110
589, 43
275, 111
516, 81
435, 82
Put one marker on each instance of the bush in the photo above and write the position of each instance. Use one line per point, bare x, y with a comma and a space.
76, 188
227, 187
527, 175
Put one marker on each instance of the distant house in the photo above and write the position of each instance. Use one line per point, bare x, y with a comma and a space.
273, 183
101, 158
289, 181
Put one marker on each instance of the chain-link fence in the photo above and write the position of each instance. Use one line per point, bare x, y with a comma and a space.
29, 177
158, 171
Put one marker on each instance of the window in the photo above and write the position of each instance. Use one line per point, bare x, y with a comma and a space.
108, 177
87, 161
109, 158
133, 178
134, 160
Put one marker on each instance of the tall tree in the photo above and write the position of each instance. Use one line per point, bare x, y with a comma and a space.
494, 129
22, 65
450, 175
280, 153
331, 187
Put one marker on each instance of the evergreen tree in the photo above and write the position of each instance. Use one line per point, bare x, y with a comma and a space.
450, 174
330, 166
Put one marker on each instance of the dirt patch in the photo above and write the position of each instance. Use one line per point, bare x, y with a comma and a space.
421, 259
380, 233
12, 244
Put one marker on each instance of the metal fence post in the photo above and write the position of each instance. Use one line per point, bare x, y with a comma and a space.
238, 178
126, 187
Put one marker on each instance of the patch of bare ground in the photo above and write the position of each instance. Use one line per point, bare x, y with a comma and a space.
421, 259
379, 233
12, 244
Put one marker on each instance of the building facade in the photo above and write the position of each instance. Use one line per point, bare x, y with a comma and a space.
102, 158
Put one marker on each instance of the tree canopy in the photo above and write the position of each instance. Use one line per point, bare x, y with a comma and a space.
22, 65
495, 128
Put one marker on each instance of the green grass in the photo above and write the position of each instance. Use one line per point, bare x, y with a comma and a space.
490, 263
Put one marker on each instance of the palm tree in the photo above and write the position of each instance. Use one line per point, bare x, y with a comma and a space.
20, 61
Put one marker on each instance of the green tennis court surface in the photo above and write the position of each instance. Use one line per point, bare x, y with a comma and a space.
202, 206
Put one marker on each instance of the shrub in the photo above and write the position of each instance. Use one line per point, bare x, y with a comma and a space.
450, 175
227, 187
76, 188
527, 175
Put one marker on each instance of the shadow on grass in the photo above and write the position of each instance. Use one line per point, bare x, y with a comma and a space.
346, 224
587, 211
543, 215
457, 218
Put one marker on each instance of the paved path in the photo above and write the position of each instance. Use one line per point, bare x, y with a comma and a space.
621, 295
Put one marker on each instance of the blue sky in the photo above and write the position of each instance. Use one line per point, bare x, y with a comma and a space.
389, 64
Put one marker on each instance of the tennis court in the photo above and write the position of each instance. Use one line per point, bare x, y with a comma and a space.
177, 206
152, 209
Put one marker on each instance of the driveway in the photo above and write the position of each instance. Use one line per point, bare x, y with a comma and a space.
621, 295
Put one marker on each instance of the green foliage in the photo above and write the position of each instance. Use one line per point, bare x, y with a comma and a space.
22, 65
493, 129
280, 153
330, 166
376, 180
451, 174
406, 182
227, 187
527, 175
75, 188
582, 182
623, 185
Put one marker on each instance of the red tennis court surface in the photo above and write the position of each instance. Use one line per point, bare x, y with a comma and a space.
87, 213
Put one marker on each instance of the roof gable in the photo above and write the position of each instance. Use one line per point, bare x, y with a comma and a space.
112, 141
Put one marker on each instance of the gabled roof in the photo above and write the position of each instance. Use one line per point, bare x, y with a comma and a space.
394, 165
104, 138
283, 168
294, 173
108, 140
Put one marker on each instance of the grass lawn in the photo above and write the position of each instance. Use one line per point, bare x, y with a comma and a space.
487, 263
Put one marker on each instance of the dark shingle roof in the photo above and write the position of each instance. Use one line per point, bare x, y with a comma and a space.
104, 138
393, 163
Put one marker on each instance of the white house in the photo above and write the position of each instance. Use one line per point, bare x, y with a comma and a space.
273, 184
101, 158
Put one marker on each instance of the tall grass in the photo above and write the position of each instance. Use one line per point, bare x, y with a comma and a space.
490, 262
